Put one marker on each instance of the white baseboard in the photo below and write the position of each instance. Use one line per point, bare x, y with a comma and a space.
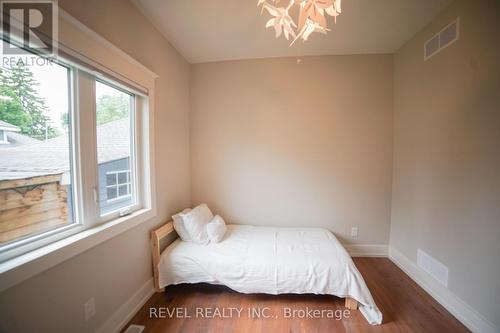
370, 250
458, 308
125, 312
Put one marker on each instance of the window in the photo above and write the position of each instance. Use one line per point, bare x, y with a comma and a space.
115, 128
36, 170
65, 169
118, 185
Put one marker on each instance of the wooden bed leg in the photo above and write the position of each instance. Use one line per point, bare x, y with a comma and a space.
351, 303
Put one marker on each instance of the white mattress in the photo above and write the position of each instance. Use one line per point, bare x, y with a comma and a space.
273, 261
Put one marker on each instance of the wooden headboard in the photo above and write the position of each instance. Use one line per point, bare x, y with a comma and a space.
156, 236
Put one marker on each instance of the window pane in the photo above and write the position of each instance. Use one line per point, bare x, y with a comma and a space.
123, 190
114, 137
111, 193
111, 179
122, 178
35, 148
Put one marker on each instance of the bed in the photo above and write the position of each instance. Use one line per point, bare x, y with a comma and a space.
266, 260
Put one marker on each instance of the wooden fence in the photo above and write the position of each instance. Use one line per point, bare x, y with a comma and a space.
31, 205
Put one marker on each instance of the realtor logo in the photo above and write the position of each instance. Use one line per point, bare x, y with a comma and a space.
29, 25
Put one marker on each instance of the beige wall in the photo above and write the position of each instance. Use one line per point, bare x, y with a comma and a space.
446, 187
113, 271
276, 143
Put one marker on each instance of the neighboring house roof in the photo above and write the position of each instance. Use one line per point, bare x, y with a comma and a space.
18, 139
4, 126
51, 156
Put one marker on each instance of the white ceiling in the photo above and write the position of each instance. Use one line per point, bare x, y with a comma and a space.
216, 30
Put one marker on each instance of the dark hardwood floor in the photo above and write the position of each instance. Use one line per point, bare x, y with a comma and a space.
405, 306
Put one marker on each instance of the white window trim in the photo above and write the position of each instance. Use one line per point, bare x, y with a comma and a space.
86, 45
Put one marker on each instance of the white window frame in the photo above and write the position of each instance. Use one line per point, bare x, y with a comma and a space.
105, 63
84, 164
137, 111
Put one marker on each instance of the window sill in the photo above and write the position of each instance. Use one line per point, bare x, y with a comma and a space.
21, 268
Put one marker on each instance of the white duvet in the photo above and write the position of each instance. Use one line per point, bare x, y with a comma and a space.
272, 261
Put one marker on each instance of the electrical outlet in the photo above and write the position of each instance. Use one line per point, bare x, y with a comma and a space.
354, 232
89, 308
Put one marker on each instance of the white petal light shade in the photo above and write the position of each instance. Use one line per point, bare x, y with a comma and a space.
312, 17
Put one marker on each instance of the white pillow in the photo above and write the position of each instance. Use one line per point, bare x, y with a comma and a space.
179, 225
195, 222
216, 229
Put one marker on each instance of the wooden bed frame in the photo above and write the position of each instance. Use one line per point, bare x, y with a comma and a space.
158, 234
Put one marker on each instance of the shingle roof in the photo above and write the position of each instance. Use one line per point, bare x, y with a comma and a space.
18, 139
51, 157
8, 127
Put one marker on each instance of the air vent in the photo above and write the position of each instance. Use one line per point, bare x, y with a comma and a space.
436, 269
135, 329
442, 39
431, 47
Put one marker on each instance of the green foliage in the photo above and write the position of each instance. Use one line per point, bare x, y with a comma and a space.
110, 108
65, 121
20, 104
